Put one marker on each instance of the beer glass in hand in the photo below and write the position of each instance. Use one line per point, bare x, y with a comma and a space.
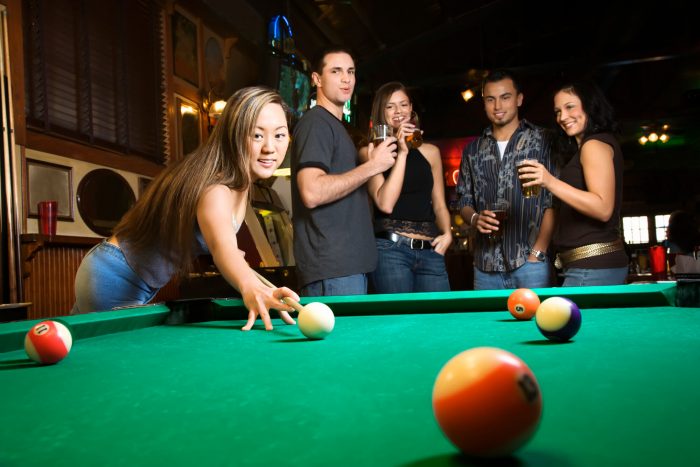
379, 132
528, 191
500, 209
415, 139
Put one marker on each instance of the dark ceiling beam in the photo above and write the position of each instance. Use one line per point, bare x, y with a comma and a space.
311, 14
428, 37
364, 19
464, 77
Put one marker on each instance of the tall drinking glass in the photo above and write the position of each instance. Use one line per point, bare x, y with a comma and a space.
500, 209
415, 139
527, 191
379, 132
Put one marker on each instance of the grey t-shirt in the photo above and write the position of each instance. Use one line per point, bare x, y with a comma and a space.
335, 239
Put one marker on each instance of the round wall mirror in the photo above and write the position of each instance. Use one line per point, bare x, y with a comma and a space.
104, 196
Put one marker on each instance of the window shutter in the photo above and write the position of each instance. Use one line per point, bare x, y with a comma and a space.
93, 72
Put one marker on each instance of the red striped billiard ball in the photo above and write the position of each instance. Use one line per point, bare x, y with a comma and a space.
523, 304
487, 402
48, 342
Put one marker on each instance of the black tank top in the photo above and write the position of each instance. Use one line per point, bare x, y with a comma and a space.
575, 229
415, 201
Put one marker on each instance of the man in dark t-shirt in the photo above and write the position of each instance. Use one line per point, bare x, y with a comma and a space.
333, 237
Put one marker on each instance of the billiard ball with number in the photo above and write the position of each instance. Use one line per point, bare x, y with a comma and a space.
523, 303
558, 319
487, 402
48, 342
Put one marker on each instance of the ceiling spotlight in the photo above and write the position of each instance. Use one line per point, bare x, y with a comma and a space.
468, 94
654, 133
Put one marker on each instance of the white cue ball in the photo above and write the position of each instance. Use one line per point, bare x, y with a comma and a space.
316, 321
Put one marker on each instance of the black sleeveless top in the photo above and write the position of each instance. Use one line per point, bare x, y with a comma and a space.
575, 229
413, 211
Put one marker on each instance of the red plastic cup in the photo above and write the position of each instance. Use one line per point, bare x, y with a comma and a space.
48, 212
657, 259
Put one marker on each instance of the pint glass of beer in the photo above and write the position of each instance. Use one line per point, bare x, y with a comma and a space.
379, 132
500, 209
528, 191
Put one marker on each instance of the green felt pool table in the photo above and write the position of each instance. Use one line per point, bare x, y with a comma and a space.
180, 384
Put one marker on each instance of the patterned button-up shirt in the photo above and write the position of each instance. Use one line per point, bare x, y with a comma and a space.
484, 177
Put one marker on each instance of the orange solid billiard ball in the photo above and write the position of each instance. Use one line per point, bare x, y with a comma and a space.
523, 304
487, 402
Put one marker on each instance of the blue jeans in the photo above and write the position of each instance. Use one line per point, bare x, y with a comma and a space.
346, 285
401, 269
576, 277
104, 281
530, 275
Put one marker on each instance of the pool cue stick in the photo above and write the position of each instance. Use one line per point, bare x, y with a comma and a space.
288, 300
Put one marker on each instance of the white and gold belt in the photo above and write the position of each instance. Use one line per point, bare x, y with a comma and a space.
587, 251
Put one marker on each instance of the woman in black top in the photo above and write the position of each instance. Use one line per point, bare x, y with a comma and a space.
587, 237
412, 222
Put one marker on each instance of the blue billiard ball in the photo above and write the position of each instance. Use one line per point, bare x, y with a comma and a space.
558, 318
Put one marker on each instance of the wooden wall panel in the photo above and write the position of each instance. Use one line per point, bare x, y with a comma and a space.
49, 285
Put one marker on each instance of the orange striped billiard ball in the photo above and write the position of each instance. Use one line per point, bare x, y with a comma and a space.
487, 402
523, 304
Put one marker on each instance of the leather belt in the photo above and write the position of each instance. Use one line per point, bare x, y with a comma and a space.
587, 251
412, 243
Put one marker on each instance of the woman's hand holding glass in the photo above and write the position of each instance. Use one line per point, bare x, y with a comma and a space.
405, 128
533, 173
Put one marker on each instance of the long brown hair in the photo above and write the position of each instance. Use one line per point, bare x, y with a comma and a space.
382, 96
164, 217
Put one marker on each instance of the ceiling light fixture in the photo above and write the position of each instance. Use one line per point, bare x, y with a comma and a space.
468, 94
652, 134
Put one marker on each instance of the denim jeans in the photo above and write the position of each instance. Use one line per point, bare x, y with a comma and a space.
576, 277
346, 285
105, 281
530, 275
401, 269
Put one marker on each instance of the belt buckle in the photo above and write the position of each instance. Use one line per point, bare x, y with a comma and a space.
418, 248
557, 262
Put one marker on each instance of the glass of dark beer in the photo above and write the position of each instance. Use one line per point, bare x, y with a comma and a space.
500, 209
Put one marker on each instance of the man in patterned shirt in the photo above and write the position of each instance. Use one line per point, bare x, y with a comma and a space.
517, 256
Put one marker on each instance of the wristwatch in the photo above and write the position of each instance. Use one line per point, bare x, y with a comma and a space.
538, 254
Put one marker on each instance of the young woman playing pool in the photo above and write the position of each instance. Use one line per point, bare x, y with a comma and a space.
193, 207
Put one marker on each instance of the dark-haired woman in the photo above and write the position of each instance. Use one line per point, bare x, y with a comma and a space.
589, 188
195, 207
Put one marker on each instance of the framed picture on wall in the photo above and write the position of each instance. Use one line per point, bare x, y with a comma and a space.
47, 181
188, 126
214, 63
185, 48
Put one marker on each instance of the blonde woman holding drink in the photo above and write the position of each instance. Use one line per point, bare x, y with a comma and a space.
412, 222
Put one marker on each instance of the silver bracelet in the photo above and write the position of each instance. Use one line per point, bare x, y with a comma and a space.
471, 220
